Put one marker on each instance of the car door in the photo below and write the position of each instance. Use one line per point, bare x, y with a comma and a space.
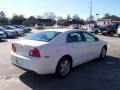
94, 46
77, 46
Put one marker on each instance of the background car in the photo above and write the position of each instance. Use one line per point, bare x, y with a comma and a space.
74, 26
109, 30
93, 29
19, 31
57, 51
8, 33
26, 29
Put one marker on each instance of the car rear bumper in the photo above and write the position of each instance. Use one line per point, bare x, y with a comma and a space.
37, 65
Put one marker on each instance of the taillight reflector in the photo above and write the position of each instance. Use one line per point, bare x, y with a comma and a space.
35, 52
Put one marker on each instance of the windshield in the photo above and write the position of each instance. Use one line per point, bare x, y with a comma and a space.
45, 36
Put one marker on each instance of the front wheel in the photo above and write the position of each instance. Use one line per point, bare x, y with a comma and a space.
64, 67
96, 32
103, 53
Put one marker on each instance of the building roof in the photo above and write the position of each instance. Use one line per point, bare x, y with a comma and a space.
104, 20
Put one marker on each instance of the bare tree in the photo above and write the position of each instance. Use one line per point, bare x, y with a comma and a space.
68, 18
17, 19
39, 17
3, 19
50, 15
107, 15
2, 15
76, 17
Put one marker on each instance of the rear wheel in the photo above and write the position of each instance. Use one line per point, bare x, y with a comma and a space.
64, 67
17, 33
112, 34
6, 35
119, 35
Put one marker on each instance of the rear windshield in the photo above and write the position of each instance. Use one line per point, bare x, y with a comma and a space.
45, 36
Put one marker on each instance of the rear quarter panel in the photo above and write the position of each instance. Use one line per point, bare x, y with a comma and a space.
54, 50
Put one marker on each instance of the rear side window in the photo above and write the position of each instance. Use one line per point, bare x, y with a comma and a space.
45, 36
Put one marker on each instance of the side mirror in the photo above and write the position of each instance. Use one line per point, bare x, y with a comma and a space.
96, 39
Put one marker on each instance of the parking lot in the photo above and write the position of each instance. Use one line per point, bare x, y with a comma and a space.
94, 75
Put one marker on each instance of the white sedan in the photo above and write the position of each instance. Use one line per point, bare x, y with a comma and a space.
57, 51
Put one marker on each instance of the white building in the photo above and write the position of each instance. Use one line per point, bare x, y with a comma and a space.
105, 22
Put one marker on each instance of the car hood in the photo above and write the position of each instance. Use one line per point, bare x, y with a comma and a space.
31, 42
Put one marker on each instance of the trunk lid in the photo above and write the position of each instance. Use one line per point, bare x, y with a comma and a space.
24, 46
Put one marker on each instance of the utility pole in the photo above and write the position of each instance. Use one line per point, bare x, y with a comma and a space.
91, 11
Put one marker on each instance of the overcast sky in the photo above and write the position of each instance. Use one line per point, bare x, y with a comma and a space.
59, 7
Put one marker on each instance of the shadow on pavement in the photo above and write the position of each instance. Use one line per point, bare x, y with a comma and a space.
2, 41
94, 75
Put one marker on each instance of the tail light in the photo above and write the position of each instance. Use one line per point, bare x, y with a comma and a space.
13, 48
35, 52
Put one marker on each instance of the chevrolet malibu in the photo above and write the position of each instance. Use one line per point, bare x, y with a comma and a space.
57, 51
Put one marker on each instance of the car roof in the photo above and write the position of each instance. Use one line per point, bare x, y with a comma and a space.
63, 30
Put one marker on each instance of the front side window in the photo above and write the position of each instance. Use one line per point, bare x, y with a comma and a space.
74, 37
89, 37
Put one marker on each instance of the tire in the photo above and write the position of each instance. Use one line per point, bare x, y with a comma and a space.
119, 35
111, 34
64, 67
103, 52
17, 34
6, 35
96, 32
104, 34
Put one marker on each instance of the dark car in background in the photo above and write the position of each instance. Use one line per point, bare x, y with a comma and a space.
26, 29
109, 30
